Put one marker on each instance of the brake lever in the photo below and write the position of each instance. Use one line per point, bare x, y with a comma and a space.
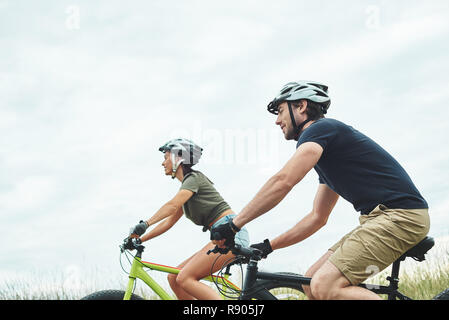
127, 244
217, 249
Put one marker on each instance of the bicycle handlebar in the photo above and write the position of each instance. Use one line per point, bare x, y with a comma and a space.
246, 252
131, 244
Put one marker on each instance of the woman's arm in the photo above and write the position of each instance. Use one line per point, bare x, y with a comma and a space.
171, 211
163, 226
172, 207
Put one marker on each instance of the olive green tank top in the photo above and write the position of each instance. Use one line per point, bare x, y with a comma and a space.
206, 204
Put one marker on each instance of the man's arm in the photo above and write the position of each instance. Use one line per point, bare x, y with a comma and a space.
324, 202
277, 187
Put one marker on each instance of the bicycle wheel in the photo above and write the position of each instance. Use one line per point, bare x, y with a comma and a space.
442, 295
278, 290
110, 295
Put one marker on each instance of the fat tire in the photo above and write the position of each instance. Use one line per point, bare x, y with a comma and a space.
271, 284
110, 295
442, 295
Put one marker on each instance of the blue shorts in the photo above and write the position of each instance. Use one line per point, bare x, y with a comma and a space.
241, 237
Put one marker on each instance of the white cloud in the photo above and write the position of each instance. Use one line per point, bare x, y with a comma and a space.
28, 194
370, 47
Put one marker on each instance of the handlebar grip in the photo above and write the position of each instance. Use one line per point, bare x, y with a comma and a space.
131, 243
217, 249
251, 253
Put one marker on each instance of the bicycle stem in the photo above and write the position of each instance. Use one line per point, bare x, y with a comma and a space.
251, 277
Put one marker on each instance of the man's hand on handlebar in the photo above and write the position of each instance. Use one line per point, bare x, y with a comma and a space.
264, 247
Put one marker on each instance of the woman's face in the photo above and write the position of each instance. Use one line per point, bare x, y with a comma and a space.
167, 164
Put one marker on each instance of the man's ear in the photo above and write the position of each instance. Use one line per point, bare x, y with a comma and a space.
301, 105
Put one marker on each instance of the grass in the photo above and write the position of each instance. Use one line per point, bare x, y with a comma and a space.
418, 280
421, 280
58, 286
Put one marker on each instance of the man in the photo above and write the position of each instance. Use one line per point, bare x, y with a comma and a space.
393, 214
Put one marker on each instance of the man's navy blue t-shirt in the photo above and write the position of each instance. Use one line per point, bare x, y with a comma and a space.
360, 170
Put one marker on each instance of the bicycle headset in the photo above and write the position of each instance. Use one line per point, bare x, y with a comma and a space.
189, 152
295, 91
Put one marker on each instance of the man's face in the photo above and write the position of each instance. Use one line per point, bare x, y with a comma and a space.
285, 122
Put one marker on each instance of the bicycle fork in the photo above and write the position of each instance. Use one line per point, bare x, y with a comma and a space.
137, 272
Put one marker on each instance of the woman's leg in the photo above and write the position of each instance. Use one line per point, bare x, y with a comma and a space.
197, 268
179, 292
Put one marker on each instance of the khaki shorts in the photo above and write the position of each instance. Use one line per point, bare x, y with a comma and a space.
382, 237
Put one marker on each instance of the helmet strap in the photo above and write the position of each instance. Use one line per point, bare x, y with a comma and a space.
296, 128
175, 165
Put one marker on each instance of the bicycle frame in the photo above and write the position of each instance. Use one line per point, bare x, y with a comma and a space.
254, 279
137, 272
254, 282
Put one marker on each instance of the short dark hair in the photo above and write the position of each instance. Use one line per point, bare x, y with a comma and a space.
313, 111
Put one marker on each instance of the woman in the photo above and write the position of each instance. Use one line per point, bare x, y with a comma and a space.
201, 203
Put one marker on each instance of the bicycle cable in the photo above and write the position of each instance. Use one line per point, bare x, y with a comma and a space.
127, 252
224, 288
121, 265
238, 293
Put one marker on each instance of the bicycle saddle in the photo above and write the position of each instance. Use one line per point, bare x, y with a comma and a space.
418, 251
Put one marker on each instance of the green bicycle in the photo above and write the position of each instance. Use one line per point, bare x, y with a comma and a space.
138, 271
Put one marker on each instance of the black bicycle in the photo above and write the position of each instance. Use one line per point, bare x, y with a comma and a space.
275, 286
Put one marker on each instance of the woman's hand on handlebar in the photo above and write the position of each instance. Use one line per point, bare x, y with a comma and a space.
138, 230
223, 235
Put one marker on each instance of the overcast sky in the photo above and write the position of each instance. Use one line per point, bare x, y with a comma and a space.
90, 90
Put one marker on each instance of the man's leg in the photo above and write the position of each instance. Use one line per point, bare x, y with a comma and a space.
311, 272
382, 237
317, 265
328, 283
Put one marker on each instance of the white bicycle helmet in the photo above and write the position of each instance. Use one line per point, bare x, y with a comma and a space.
295, 91
189, 152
